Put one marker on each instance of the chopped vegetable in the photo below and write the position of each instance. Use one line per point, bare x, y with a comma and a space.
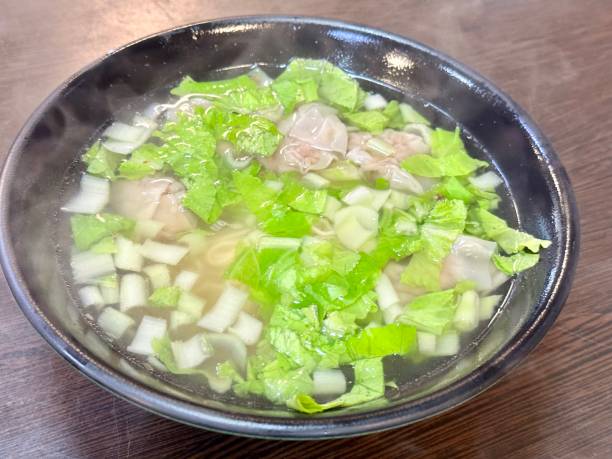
150, 328
335, 228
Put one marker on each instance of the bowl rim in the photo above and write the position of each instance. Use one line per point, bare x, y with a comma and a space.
306, 427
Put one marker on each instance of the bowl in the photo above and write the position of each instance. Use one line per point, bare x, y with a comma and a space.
41, 168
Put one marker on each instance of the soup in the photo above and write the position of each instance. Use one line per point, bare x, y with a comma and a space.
289, 239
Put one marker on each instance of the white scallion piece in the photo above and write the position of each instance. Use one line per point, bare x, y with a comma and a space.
149, 329
355, 226
110, 294
128, 255
191, 353
374, 102
191, 304
332, 205
427, 343
392, 312
114, 323
93, 196
122, 138
159, 275
497, 279
260, 77
398, 200
422, 130
247, 328
387, 296
410, 115
147, 229
487, 181
376, 145
225, 311
132, 291
328, 382
180, 318
269, 242
185, 280
447, 345
315, 180
88, 266
169, 254
488, 305
90, 296
229, 345
219, 385
123, 132
467, 314
367, 197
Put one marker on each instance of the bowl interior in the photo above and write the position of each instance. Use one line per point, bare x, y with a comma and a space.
41, 168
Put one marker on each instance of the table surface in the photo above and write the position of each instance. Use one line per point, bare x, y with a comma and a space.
553, 57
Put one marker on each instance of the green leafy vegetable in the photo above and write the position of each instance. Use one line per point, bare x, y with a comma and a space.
165, 297
381, 341
101, 162
510, 240
394, 114
372, 121
89, 229
239, 94
145, 160
334, 85
448, 157
369, 385
515, 263
302, 199
445, 222
106, 245
432, 312
292, 92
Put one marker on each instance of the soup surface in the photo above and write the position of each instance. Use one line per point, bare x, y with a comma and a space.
285, 238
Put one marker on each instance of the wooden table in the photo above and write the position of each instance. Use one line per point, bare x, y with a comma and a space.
553, 57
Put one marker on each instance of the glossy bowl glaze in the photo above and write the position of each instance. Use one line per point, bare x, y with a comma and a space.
41, 166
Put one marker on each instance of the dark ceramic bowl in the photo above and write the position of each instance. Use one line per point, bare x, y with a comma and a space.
41, 165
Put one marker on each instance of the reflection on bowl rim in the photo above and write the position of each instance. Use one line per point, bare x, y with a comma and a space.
303, 427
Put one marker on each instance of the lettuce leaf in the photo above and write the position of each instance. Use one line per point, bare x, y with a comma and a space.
393, 241
275, 218
252, 135
106, 245
145, 160
90, 229
369, 385
335, 87
240, 94
394, 115
448, 157
281, 382
165, 297
188, 148
344, 322
294, 92
302, 199
373, 121
510, 240
101, 162
432, 312
381, 341
444, 223
515, 263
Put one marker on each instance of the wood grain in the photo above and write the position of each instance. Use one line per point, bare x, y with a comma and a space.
554, 57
